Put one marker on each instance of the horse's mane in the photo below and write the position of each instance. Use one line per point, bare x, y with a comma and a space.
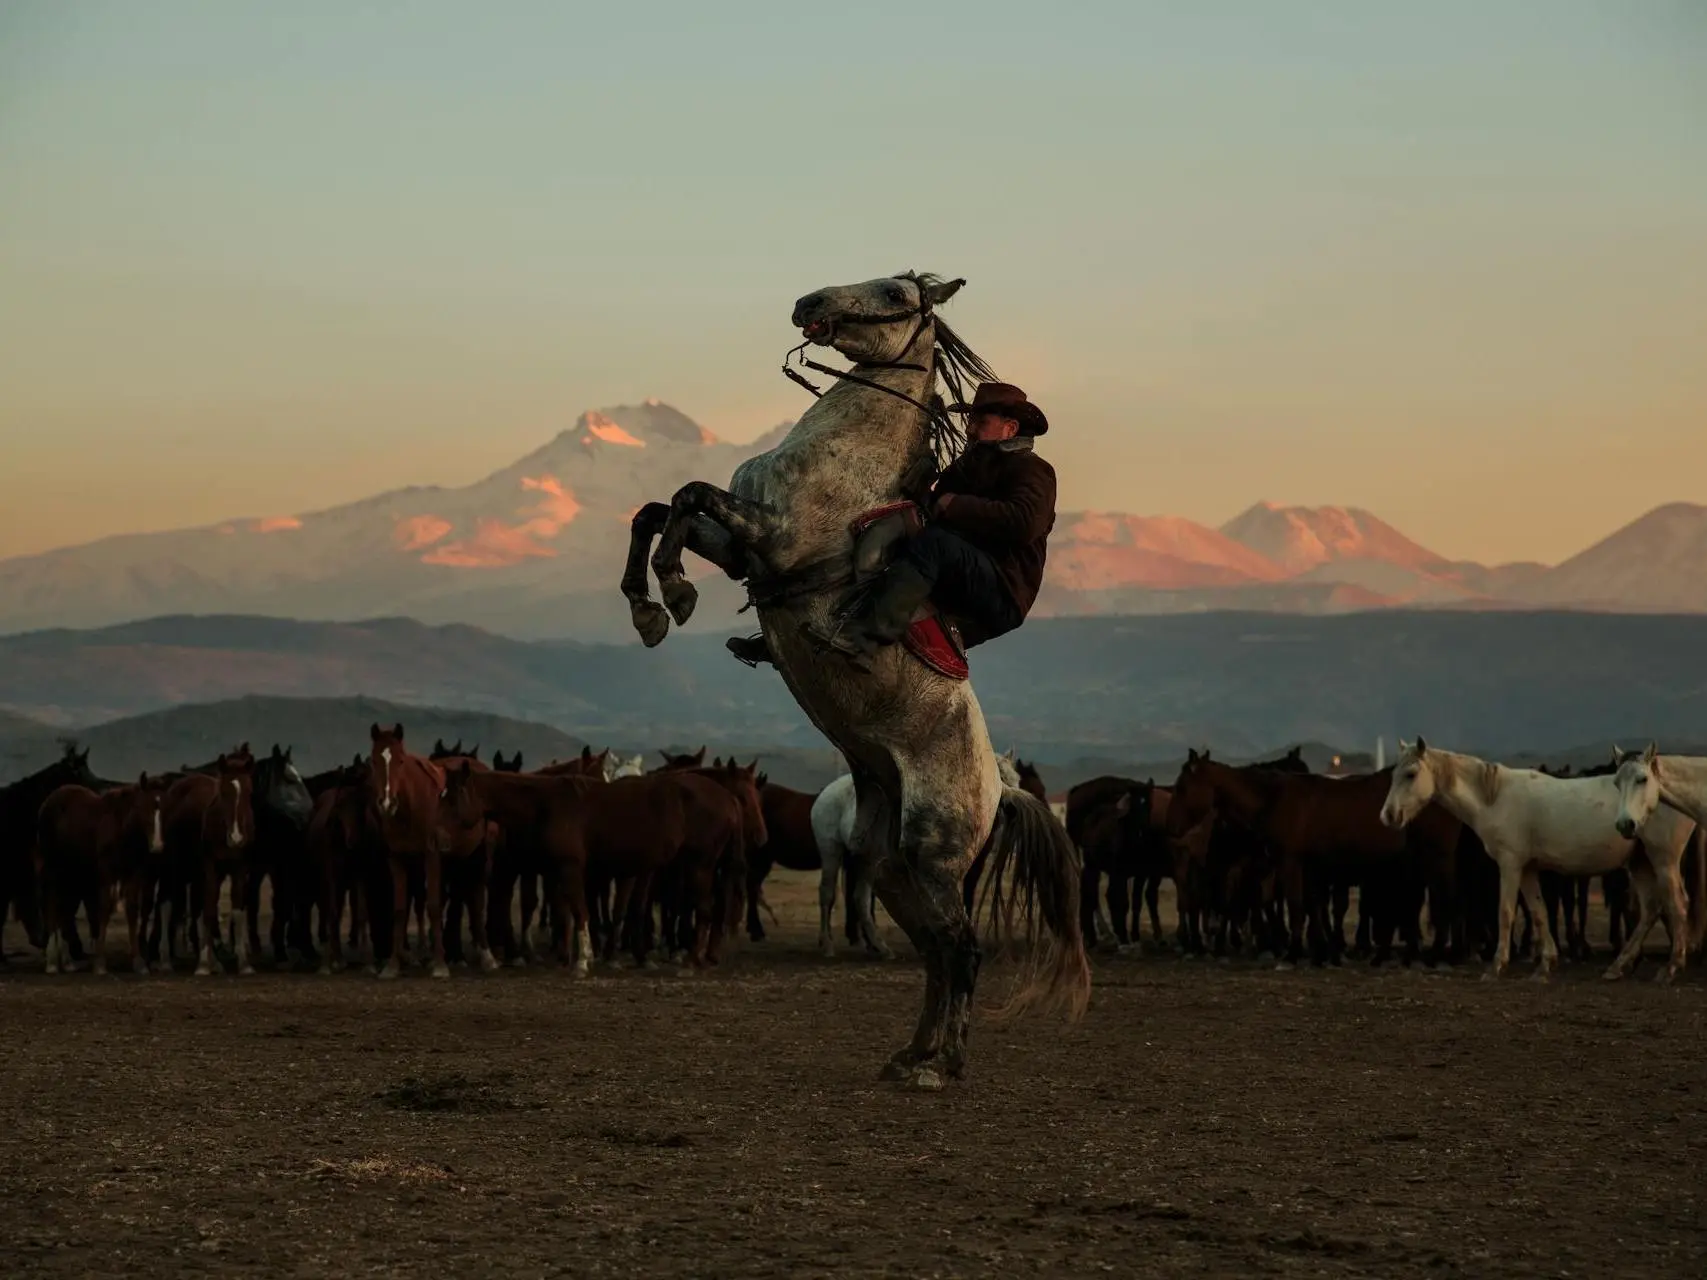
960, 368
1482, 776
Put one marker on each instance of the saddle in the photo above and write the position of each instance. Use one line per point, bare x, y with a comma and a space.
879, 535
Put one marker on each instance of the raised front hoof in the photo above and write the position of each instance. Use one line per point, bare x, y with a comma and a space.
441, 970
390, 972
681, 598
651, 622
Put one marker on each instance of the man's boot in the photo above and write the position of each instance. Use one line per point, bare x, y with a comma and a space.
751, 650
882, 621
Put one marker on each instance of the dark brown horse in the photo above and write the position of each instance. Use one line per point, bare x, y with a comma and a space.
1323, 829
344, 850
87, 844
210, 824
404, 790
789, 844
1030, 780
20, 802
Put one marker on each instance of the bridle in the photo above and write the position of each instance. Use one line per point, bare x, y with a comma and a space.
945, 437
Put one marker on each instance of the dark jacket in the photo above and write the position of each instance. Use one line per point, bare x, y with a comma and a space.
1004, 504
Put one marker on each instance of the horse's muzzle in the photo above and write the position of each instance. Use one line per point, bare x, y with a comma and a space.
1626, 828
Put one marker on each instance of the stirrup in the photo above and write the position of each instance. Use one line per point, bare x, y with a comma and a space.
750, 650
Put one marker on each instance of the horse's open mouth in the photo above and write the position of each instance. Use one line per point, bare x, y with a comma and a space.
818, 330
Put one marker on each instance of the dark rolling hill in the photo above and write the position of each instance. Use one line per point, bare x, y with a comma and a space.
1120, 688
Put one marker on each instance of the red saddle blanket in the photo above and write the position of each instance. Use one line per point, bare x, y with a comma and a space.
931, 638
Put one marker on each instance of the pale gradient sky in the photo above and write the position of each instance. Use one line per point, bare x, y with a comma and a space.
1447, 261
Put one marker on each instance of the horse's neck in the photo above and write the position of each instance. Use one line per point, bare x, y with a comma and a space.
1462, 797
1249, 798
1683, 785
867, 424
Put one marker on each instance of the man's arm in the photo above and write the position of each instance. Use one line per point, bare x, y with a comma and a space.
1023, 512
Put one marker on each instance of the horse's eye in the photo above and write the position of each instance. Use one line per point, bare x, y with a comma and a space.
897, 294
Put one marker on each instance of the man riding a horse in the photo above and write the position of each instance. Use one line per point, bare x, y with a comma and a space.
979, 558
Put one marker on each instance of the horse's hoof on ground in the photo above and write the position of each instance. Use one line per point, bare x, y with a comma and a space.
650, 965
1613, 974
247, 971
488, 962
325, 971
390, 972
896, 1070
582, 971
162, 967
1542, 976
140, 968
1665, 976
925, 1078
827, 953
652, 623
1283, 966
518, 962
681, 598
441, 970
879, 953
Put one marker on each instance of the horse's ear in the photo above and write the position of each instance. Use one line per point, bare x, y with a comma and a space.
143, 780
699, 756
1297, 753
667, 756
474, 752
1421, 746
373, 732
1123, 806
397, 732
1191, 755
516, 762
1650, 754
941, 291
277, 754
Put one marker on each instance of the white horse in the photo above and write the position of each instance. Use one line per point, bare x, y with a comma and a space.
624, 767
834, 813
1647, 780
930, 799
1531, 821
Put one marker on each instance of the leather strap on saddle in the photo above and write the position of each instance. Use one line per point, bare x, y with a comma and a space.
879, 536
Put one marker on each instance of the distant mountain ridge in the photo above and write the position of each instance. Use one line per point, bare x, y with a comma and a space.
535, 550
1130, 688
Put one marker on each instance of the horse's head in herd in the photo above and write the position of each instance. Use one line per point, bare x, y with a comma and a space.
628, 767
280, 788
1193, 794
233, 806
1030, 780
873, 322
147, 811
688, 760
1638, 790
385, 767
460, 806
502, 765
743, 782
1414, 784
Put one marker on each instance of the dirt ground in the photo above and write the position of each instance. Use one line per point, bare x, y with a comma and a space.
1204, 1119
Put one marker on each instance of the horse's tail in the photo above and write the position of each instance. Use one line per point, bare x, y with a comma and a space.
1028, 895
1695, 882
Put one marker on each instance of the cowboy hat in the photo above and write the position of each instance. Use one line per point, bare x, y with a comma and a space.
1005, 400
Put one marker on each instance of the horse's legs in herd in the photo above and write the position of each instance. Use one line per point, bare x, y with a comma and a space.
1152, 904
1663, 899
99, 905
1548, 958
331, 917
435, 908
1509, 878
399, 917
860, 906
828, 877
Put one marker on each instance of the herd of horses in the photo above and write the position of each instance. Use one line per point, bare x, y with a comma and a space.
1438, 848
608, 857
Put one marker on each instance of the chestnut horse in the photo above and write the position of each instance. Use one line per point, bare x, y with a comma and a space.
404, 790
86, 844
210, 823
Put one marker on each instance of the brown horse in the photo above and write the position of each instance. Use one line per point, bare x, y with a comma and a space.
789, 843
20, 802
210, 823
706, 881
586, 765
404, 790
343, 842
1030, 780
1322, 829
86, 844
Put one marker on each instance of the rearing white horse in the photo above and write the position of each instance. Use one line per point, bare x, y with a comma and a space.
929, 797
1531, 821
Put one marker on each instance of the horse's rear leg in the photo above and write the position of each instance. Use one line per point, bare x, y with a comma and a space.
435, 913
911, 903
828, 878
